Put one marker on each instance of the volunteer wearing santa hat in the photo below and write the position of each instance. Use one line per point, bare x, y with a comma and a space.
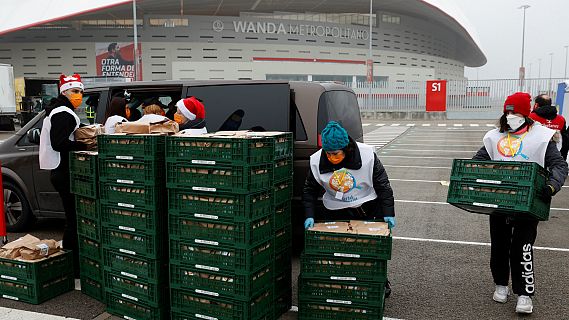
56, 141
190, 116
519, 138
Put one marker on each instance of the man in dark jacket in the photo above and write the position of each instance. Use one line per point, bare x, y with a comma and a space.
546, 114
56, 141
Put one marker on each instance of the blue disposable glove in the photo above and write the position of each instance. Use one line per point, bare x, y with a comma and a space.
308, 223
390, 221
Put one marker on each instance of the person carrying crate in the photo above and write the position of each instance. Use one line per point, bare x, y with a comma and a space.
519, 138
56, 141
351, 180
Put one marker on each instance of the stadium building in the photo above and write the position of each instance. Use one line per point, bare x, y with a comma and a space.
318, 40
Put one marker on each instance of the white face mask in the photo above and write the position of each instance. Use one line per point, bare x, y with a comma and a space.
515, 122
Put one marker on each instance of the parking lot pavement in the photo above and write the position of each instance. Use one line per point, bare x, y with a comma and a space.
440, 265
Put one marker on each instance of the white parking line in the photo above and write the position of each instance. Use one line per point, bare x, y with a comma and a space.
426, 125
472, 243
457, 124
412, 180
395, 124
490, 125
436, 145
366, 124
380, 124
414, 167
445, 203
420, 150
410, 124
16, 314
442, 124
474, 125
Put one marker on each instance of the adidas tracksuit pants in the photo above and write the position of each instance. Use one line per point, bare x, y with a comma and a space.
512, 249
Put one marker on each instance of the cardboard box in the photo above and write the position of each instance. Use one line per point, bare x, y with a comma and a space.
333, 227
88, 135
164, 127
29, 247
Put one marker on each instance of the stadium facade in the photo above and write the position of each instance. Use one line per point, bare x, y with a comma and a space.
252, 39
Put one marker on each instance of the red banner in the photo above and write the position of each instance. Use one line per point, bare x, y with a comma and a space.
436, 96
116, 59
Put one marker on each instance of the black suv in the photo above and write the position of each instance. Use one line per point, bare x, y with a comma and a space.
301, 107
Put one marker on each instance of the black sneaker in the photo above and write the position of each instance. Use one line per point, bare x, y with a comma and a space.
387, 289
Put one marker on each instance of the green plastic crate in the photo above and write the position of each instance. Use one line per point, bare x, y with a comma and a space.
343, 268
241, 207
231, 285
83, 163
498, 172
284, 145
283, 282
354, 245
282, 192
91, 268
131, 147
90, 248
220, 177
283, 169
223, 258
36, 272
38, 292
87, 207
132, 266
133, 220
342, 292
282, 304
221, 231
283, 261
283, 238
148, 172
93, 288
133, 196
137, 290
128, 309
89, 228
148, 245
317, 310
516, 201
85, 186
189, 302
282, 215
214, 151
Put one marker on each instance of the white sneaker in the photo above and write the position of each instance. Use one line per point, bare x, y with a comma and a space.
524, 305
501, 294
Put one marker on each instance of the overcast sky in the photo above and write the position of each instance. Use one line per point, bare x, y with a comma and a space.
499, 27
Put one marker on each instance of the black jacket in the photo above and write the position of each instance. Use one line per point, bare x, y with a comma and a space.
312, 189
193, 124
62, 126
554, 163
550, 113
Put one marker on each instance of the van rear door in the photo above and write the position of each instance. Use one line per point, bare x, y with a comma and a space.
340, 106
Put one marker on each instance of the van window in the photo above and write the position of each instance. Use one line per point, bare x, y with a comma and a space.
88, 108
258, 107
300, 131
137, 98
340, 106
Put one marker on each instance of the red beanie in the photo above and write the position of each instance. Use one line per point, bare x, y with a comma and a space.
519, 102
191, 108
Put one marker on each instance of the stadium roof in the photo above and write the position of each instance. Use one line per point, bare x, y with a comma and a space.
17, 15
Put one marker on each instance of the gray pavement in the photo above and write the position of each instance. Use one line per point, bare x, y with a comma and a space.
448, 279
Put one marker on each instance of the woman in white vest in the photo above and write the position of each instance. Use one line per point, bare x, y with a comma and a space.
56, 141
190, 116
519, 138
117, 112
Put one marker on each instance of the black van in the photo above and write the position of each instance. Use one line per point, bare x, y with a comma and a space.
301, 107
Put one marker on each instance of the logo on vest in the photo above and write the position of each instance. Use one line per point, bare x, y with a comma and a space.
511, 148
527, 272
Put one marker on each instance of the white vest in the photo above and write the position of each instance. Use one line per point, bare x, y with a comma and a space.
111, 122
49, 158
531, 148
346, 188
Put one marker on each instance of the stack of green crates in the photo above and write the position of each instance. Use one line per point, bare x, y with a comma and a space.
226, 225
134, 220
83, 167
509, 188
36, 281
343, 276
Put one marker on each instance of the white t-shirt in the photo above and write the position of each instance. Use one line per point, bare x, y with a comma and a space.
111, 122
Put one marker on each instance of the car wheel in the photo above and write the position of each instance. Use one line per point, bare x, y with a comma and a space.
16, 208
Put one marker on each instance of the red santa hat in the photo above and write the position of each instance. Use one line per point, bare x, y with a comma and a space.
69, 82
191, 108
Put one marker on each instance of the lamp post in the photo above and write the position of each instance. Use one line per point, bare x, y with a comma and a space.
550, 72
522, 70
135, 27
370, 57
566, 56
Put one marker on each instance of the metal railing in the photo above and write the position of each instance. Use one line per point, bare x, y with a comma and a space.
465, 98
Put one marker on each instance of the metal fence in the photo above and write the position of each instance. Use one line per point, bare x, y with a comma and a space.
466, 99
